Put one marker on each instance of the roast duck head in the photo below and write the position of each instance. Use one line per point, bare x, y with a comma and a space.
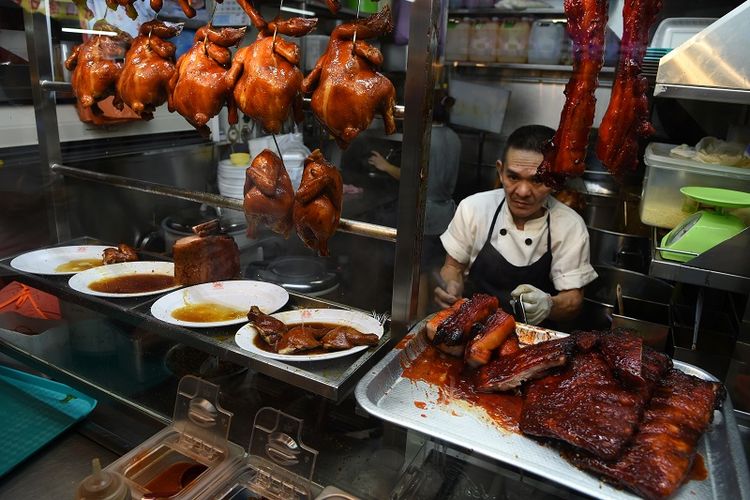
149, 65
198, 88
265, 75
96, 65
269, 196
317, 204
347, 90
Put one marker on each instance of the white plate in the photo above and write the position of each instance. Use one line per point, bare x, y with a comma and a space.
237, 294
46, 260
362, 322
81, 281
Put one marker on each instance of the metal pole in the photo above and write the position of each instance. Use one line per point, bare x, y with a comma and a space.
366, 229
39, 45
420, 81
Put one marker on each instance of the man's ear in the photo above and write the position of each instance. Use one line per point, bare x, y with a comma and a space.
499, 168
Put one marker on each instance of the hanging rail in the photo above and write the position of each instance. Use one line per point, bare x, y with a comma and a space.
366, 229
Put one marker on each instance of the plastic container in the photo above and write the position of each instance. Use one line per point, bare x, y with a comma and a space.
483, 41
457, 41
661, 200
513, 40
545, 42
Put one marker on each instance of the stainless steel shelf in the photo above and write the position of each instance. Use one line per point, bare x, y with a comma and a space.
711, 94
333, 379
520, 66
504, 12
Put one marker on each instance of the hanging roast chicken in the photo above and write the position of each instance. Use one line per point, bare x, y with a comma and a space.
198, 89
347, 90
265, 76
269, 195
317, 204
149, 65
96, 65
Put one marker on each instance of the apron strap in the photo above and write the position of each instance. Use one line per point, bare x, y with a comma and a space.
494, 219
549, 232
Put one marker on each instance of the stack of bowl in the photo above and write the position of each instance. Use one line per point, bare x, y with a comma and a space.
231, 175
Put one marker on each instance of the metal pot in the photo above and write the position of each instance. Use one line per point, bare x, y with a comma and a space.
174, 228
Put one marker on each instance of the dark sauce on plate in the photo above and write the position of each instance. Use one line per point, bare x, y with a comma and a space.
133, 283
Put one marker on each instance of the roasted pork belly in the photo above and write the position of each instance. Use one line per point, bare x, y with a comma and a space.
662, 452
202, 259
509, 372
498, 327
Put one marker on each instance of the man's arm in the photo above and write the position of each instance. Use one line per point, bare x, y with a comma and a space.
452, 274
566, 304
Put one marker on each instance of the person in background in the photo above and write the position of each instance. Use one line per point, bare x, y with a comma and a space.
518, 242
445, 157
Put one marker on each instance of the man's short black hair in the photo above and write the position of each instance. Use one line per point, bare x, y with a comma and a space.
529, 138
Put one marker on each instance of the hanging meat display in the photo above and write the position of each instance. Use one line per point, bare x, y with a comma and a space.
198, 89
149, 65
346, 89
128, 4
317, 204
268, 195
189, 11
264, 75
626, 120
95, 65
564, 157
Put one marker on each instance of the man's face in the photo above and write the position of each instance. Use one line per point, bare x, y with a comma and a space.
525, 192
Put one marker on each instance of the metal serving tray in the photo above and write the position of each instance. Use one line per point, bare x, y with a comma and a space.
383, 392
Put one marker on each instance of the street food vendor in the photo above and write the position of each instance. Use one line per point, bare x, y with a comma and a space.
518, 242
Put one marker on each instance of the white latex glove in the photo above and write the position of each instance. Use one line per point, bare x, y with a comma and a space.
536, 303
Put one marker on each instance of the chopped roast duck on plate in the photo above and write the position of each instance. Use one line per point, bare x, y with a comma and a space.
149, 65
96, 67
346, 89
199, 89
317, 204
264, 75
123, 253
268, 327
346, 337
269, 196
298, 338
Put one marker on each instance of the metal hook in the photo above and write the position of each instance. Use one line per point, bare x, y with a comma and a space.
354, 38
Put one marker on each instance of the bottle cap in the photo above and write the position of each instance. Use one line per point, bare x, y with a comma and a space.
102, 485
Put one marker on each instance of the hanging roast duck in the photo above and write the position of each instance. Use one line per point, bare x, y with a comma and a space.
264, 75
198, 89
149, 65
346, 89
269, 195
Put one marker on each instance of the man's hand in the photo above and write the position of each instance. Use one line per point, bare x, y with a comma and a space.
380, 163
536, 303
450, 283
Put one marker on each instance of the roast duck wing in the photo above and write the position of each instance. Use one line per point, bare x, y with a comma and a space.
123, 253
626, 120
269, 196
198, 88
565, 156
346, 89
149, 65
96, 65
189, 11
264, 75
317, 204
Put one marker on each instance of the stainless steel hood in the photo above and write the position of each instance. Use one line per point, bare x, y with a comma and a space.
714, 65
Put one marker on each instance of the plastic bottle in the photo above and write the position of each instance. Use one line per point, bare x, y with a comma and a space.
545, 42
457, 41
513, 40
102, 485
483, 41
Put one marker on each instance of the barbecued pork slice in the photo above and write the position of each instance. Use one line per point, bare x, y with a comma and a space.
509, 372
458, 327
623, 351
586, 406
297, 339
202, 259
346, 337
510, 346
661, 454
269, 328
436, 320
495, 331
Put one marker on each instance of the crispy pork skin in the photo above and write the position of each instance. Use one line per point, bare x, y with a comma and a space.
202, 259
662, 452
498, 327
458, 328
346, 337
509, 372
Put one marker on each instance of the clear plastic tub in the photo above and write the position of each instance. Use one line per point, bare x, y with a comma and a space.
483, 41
457, 41
545, 42
661, 201
513, 40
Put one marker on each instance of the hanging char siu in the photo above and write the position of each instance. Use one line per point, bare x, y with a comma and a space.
264, 75
189, 11
626, 120
317, 204
198, 89
459, 327
269, 196
346, 89
149, 65
564, 157
127, 4
96, 65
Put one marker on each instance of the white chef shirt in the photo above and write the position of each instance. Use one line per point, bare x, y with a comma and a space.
468, 230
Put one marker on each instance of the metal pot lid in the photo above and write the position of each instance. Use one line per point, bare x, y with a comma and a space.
299, 273
185, 225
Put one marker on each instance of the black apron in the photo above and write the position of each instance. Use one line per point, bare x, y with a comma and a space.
491, 273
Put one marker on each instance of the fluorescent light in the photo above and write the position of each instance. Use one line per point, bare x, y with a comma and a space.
89, 32
297, 11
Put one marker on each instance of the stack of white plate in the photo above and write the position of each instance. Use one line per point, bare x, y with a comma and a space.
231, 179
